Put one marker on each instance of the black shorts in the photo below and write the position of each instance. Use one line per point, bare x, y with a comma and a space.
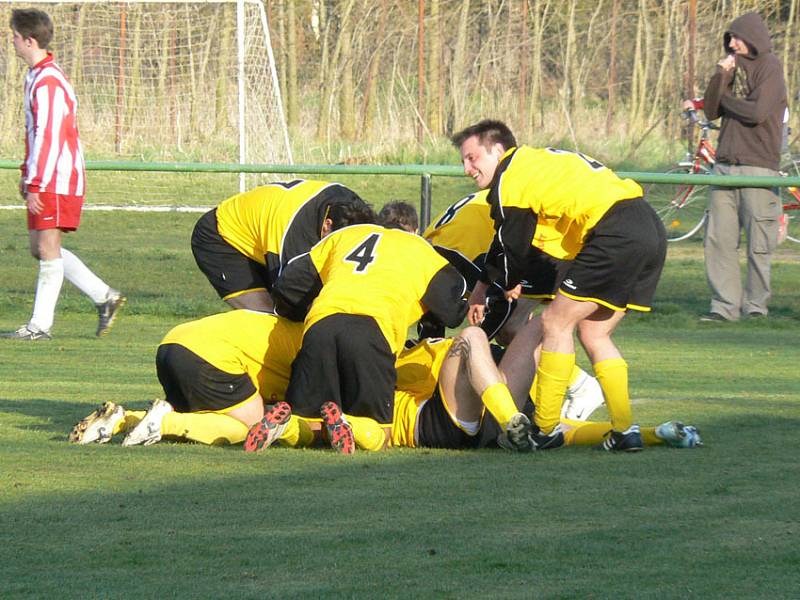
229, 271
347, 360
436, 429
542, 275
621, 261
191, 384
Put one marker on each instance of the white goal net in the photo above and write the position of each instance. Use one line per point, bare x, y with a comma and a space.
185, 81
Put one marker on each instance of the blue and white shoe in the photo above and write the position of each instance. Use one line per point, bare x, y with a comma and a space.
678, 435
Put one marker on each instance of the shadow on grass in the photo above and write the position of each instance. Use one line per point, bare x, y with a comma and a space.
182, 520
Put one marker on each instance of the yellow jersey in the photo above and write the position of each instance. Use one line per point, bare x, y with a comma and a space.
550, 199
417, 378
259, 344
390, 275
275, 222
463, 234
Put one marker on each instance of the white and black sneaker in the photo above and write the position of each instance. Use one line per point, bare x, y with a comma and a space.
148, 431
28, 334
107, 311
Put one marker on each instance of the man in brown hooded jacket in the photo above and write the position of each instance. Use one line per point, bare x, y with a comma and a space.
748, 92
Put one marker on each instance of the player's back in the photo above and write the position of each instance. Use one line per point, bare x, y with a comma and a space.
569, 192
383, 273
257, 222
465, 226
261, 344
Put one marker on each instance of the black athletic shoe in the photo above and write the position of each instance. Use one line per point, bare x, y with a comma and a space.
547, 441
629, 440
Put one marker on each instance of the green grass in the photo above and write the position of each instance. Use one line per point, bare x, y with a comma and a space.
182, 520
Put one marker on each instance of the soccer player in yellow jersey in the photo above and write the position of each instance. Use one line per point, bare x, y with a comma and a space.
462, 233
242, 244
216, 372
442, 381
570, 207
358, 291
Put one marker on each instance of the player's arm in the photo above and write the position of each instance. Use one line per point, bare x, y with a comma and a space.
294, 291
505, 260
444, 296
48, 107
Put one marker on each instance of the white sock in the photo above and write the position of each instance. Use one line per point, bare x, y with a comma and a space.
79, 275
48, 287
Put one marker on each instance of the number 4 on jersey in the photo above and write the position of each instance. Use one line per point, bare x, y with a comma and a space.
364, 253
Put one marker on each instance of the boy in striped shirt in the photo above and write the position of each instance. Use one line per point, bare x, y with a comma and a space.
53, 180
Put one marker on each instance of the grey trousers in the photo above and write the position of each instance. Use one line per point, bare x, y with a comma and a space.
757, 211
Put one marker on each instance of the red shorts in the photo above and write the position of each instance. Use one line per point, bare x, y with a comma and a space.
59, 212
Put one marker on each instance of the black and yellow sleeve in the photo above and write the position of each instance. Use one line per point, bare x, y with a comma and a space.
444, 296
296, 288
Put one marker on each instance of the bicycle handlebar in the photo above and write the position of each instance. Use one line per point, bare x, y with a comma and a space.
691, 115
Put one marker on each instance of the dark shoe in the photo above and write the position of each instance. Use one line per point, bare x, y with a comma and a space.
107, 311
713, 317
547, 441
517, 436
629, 440
340, 434
756, 315
270, 428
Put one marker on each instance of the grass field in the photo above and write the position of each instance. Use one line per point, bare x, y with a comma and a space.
188, 521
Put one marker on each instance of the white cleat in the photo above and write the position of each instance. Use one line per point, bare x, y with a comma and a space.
678, 435
148, 431
582, 398
99, 426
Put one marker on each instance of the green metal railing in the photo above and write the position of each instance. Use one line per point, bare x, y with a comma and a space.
425, 172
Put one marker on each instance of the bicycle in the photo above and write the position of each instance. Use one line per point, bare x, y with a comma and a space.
682, 206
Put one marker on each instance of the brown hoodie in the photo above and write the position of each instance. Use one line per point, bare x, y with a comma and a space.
751, 99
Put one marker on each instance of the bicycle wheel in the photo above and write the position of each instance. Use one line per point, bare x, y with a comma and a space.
680, 206
791, 200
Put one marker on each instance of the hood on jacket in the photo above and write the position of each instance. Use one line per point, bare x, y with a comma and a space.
751, 28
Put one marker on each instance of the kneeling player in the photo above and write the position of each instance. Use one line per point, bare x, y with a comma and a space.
216, 374
358, 291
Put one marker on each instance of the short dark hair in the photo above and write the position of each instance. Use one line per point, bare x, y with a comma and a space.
399, 215
488, 132
349, 210
33, 23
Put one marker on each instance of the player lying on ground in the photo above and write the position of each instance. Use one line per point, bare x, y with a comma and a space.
461, 234
435, 407
446, 387
554, 204
242, 244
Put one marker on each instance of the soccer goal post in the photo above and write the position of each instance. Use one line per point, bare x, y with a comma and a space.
180, 80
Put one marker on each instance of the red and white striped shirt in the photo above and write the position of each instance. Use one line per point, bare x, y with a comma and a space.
53, 154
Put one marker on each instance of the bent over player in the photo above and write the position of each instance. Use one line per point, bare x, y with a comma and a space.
53, 180
358, 291
569, 207
242, 244
216, 373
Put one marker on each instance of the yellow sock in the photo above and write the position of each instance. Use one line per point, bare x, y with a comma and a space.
207, 428
131, 420
584, 433
613, 377
553, 375
498, 401
649, 436
297, 434
368, 433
